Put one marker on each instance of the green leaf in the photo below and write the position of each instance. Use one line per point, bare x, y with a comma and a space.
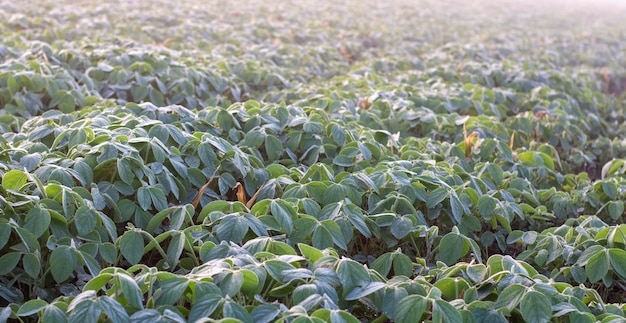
452, 287
158, 151
486, 206
529, 158
302, 292
476, 273
334, 193
578, 274
452, 247
339, 134
310, 253
264, 313
231, 283
610, 189
362, 291
436, 196
457, 208
237, 311
91, 263
511, 296
158, 198
536, 307
255, 138
143, 197
393, 296
31, 307
310, 302
31, 264
175, 247
578, 317
28, 239
77, 137
67, 103
356, 217
410, 309
337, 235
618, 261
529, 237
588, 253
343, 161
114, 310
284, 213
131, 246
487, 315
139, 93
207, 155
322, 238
178, 216
85, 311
224, 119
157, 220
276, 268
383, 263
352, 274
54, 314
125, 171
5, 234
401, 227
250, 281
97, 282
273, 148
402, 265
14, 180
85, 220
108, 224
496, 172
63, 261
147, 316
339, 316
232, 228
548, 161
132, 292
204, 306
597, 266
37, 221
13, 85
108, 252
442, 311
281, 248
156, 97
616, 209
475, 249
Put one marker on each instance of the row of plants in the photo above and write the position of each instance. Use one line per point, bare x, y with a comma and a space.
182, 163
316, 285
164, 187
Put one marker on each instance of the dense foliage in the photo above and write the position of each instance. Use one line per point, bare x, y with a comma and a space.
306, 161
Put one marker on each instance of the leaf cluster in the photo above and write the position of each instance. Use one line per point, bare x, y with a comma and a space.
249, 165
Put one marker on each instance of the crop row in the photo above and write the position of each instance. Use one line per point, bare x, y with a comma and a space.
248, 165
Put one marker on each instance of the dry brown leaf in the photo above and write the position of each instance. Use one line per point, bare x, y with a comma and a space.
241, 194
542, 114
196, 200
253, 198
164, 43
363, 103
